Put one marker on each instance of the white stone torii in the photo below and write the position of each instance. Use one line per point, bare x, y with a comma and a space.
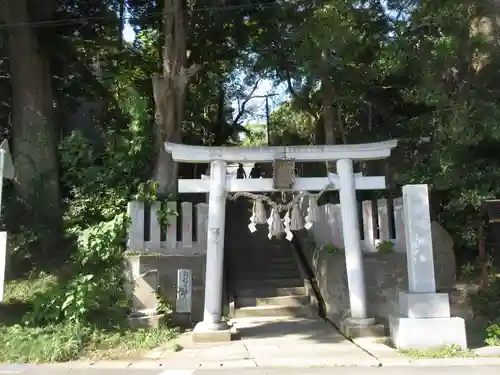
218, 186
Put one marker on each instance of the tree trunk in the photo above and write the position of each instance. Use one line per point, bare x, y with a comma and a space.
33, 129
170, 92
34, 132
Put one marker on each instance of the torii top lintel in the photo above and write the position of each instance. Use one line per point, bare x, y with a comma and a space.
205, 154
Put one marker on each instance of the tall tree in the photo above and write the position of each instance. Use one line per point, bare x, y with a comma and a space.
170, 89
34, 131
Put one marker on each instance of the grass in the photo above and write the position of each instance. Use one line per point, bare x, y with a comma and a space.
65, 342
23, 291
452, 351
68, 342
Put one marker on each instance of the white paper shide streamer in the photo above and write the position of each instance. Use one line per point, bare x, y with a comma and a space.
312, 212
276, 228
286, 223
296, 219
258, 215
259, 212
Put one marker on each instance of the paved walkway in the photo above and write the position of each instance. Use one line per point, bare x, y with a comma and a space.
274, 342
267, 346
483, 370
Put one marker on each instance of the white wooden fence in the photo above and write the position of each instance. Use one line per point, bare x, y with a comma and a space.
375, 224
146, 234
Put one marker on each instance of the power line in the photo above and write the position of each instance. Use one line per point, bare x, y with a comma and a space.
72, 21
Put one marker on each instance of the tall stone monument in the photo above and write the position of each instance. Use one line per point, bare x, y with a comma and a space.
425, 320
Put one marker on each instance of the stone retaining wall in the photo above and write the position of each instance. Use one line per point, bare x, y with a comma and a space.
385, 275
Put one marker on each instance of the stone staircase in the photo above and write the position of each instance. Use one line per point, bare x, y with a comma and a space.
262, 274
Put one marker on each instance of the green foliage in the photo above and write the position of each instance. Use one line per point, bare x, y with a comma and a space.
330, 248
493, 335
23, 290
164, 306
487, 302
147, 193
38, 345
468, 270
256, 137
451, 351
100, 181
94, 293
66, 342
385, 247
291, 127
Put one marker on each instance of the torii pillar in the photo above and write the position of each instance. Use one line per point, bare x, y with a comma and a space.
212, 328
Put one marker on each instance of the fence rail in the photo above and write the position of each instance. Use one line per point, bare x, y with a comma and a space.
146, 234
377, 224
380, 222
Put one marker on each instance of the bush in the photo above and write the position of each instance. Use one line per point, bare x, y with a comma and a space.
493, 335
487, 302
385, 247
95, 291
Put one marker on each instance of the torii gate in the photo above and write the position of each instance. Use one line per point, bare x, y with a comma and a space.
218, 186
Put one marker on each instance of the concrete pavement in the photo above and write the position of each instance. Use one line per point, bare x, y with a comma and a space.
421, 370
272, 342
271, 346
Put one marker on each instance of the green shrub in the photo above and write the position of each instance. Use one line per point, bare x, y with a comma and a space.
493, 335
385, 247
487, 302
330, 248
94, 293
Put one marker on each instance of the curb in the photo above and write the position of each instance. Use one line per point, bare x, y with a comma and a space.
168, 365
456, 362
440, 362
388, 357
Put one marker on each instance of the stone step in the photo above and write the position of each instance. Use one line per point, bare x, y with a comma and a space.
263, 311
270, 292
272, 301
267, 279
248, 284
265, 274
256, 260
259, 268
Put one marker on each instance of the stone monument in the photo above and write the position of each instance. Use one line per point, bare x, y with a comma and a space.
425, 320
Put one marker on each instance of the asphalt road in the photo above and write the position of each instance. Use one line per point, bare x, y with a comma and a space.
408, 370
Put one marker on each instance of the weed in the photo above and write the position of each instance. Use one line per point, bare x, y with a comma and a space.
385, 247
441, 352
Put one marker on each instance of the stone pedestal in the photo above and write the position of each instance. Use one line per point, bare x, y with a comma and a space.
416, 333
367, 327
425, 322
212, 332
424, 305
